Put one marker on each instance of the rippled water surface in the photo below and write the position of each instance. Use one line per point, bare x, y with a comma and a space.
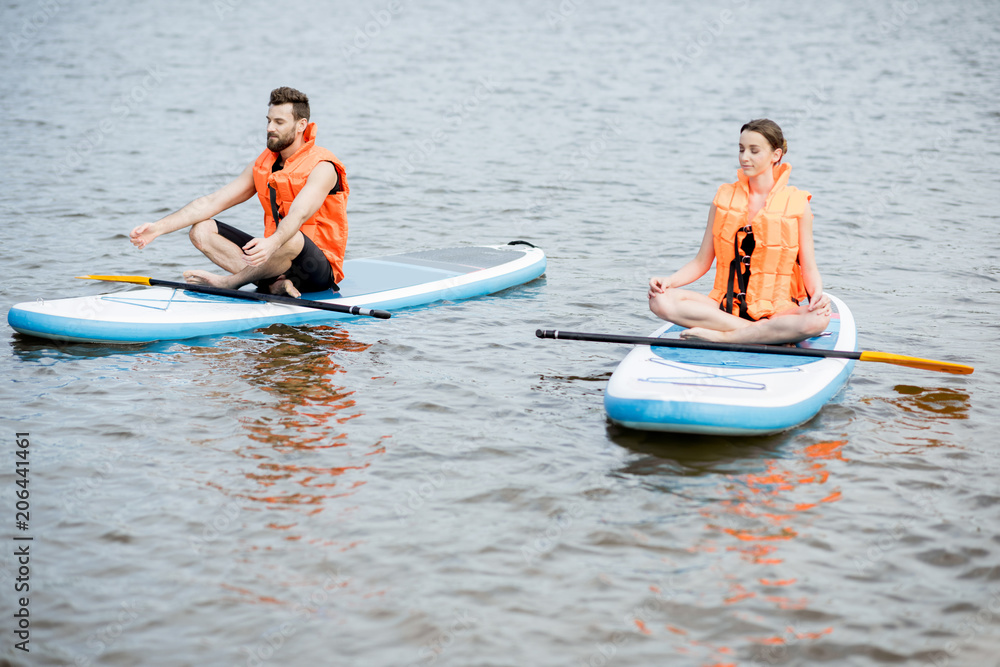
442, 488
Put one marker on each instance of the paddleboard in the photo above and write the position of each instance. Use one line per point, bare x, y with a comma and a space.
391, 282
728, 393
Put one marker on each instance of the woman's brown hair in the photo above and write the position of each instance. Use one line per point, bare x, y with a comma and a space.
770, 131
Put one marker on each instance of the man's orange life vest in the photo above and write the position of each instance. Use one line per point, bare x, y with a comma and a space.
277, 190
757, 271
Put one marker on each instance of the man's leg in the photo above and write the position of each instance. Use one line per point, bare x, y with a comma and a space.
310, 270
221, 243
279, 263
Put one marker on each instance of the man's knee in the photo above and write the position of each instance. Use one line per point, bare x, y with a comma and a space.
200, 232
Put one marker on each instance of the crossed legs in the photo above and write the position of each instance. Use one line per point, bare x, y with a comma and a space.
226, 254
706, 321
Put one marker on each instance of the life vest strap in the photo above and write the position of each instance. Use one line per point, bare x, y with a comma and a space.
275, 213
739, 273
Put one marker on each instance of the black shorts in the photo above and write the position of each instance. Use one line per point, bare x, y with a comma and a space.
310, 270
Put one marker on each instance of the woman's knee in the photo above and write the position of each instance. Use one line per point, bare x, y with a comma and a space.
815, 324
664, 305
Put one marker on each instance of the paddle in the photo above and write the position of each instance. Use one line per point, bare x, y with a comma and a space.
899, 360
242, 294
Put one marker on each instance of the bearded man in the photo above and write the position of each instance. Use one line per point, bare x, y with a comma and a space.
303, 190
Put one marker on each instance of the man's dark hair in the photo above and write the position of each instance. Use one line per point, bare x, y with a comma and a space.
298, 100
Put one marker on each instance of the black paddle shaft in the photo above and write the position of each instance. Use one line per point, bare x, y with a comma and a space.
274, 298
696, 344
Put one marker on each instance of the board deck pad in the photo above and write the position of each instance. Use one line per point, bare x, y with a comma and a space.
393, 281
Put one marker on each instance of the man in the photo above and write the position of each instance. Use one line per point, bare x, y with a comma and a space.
303, 190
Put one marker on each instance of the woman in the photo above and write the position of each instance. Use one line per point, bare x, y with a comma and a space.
767, 286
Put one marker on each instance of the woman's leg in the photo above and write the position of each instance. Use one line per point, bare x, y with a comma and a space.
790, 326
693, 309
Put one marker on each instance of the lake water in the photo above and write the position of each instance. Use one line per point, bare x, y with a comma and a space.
443, 488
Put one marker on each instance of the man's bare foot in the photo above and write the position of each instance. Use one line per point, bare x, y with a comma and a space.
282, 285
700, 333
198, 277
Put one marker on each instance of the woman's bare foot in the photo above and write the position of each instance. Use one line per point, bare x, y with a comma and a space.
700, 333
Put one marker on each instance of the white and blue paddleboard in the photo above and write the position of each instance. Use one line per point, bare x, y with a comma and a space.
728, 393
391, 282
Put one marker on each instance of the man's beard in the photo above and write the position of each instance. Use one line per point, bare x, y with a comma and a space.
278, 143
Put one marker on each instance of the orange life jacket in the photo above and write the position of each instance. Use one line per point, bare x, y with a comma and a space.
277, 190
758, 276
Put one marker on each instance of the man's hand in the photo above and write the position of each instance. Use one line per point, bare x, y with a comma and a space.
257, 251
143, 235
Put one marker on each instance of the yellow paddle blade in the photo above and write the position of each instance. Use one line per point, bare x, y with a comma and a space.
915, 362
139, 280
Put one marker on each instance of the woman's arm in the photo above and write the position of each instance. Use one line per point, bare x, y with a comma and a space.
694, 269
807, 261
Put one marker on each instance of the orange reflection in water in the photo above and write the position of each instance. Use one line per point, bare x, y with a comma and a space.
932, 404
300, 429
921, 417
761, 513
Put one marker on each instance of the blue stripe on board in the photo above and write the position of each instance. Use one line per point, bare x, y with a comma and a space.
694, 417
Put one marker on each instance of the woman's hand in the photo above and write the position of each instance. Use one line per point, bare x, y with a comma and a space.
819, 303
657, 286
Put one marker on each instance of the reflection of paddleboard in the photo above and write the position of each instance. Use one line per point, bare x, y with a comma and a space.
734, 393
394, 281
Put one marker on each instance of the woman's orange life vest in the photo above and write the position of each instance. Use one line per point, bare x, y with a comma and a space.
768, 246
277, 190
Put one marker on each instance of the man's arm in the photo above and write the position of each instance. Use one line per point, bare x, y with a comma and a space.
321, 181
202, 208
